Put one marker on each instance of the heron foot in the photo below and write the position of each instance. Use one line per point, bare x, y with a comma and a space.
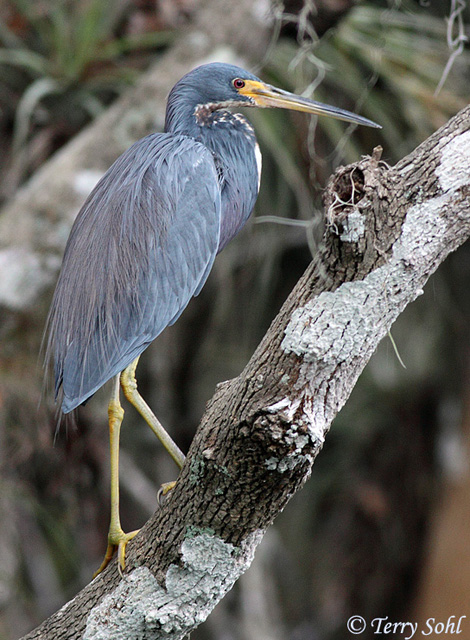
165, 488
117, 541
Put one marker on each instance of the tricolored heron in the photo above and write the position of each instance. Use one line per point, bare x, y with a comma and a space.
145, 240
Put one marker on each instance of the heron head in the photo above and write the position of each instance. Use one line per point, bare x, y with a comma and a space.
220, 86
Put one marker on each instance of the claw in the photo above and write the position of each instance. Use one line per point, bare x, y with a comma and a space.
165, 488
117, 541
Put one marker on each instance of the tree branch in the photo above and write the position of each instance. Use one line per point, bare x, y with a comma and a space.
388, 229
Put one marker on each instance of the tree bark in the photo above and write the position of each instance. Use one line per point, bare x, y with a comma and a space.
387, 230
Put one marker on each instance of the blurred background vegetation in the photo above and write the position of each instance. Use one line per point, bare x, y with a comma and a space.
378, 529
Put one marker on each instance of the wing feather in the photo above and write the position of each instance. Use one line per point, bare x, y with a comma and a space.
142, 245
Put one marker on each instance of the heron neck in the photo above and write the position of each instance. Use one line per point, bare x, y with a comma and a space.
189, 117
231, 139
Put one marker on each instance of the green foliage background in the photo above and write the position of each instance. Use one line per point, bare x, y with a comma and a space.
352, 541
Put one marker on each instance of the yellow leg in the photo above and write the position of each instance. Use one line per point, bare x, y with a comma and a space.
129, 386
117, 539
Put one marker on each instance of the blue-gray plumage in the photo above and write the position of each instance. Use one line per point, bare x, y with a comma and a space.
148, 254
145, 240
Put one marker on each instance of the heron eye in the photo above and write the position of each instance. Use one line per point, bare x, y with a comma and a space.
238, 83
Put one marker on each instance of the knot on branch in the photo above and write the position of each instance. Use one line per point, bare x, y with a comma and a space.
289, 444
353, 199
242, 476
348, 195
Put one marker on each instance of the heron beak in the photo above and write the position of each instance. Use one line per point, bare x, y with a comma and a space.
265, 95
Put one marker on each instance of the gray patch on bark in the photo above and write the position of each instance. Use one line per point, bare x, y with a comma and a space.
140, 608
